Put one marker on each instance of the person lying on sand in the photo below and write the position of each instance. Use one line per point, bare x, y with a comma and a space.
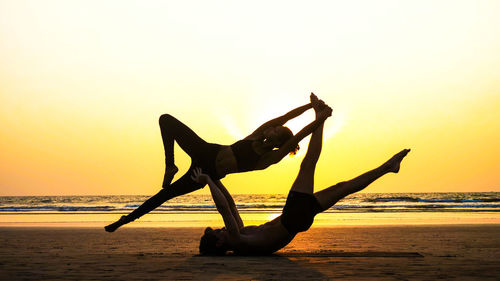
266, 146
298, 213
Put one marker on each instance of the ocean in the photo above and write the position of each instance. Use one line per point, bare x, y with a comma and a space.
195, 210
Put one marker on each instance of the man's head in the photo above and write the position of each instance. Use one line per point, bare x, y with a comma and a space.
213, 242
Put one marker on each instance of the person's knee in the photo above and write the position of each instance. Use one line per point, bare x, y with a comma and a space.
166, 119
345, 188
341, 184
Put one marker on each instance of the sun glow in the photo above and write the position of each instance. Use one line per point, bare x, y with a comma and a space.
237, 132
82, 85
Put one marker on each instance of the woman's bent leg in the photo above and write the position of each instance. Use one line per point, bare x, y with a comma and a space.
331, 195
173, 129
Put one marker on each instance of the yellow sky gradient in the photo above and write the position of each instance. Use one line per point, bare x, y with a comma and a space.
82, 84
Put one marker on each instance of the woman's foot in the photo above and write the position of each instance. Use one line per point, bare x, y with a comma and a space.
393, 164
170, 172
112, 227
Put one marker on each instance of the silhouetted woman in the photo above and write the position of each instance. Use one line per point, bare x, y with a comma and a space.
267, 145
301, 207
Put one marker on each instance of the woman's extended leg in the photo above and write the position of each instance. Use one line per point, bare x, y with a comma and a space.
173, 129
181, 186
331, 195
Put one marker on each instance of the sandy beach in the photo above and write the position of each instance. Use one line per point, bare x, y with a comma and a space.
465, 252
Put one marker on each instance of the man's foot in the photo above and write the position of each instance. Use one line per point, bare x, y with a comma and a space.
316, 103
394, 163
112, 227
314, 99
170, 172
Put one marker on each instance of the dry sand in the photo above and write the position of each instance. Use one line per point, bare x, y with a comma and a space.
465, 252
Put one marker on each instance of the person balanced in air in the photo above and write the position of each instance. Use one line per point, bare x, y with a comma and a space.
266, 146
298, 213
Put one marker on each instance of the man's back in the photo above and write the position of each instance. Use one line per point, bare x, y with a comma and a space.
262, 239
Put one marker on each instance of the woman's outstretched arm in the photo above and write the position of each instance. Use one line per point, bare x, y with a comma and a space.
275, 156
278, 121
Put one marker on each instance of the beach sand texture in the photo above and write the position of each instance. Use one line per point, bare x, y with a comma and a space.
464, 252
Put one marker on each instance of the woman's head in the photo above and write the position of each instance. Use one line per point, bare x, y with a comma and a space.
277, 136
213, 242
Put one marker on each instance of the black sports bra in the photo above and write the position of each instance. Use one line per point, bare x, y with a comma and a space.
246, 157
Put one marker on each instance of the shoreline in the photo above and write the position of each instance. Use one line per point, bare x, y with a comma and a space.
214, 219
154, 225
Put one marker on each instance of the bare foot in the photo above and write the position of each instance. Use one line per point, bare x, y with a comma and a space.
394, 163
170, 172
314, 99
316, 103
114, 226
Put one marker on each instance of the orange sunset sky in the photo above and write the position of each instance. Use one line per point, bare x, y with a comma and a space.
82, 84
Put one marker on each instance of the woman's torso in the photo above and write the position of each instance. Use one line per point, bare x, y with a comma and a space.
225, 162
238, 157
246, 156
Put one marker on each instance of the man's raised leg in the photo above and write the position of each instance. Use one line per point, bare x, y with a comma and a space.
331, 195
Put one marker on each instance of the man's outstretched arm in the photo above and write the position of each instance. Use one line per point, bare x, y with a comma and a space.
230, 201
220, 203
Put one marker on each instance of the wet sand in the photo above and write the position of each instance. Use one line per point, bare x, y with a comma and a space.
466, 252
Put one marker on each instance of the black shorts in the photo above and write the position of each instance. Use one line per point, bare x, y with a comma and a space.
299, 211
206, 160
